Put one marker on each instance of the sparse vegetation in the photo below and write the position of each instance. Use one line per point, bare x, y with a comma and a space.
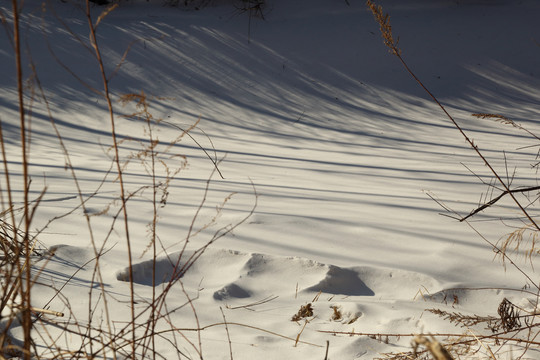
304, 312
512, 325
23, 258
336, 316
143, 170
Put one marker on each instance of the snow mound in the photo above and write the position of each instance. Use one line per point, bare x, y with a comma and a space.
233, 274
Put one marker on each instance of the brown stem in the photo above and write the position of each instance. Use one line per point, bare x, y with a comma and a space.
123, 197
25, 292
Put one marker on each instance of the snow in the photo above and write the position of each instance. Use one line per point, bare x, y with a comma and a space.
319, 128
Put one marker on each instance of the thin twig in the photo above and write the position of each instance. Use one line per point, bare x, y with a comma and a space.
187, 132
386, 31
327, 347
123, 196
493, 201
256, 303
227, 331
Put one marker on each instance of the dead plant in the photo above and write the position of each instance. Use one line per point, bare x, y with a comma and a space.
98, 334
304, 312
512, 325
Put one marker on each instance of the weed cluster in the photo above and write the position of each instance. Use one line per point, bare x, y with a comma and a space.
23, 258
304, 312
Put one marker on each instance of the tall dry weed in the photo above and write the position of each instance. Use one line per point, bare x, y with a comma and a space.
511, 325
22, 258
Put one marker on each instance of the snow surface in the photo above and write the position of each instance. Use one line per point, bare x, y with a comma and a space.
319, 127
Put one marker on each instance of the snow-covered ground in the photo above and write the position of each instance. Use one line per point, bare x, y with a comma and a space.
319, 128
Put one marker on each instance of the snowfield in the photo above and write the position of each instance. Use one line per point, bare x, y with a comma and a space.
330, 155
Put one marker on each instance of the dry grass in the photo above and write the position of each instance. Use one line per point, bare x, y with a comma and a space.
96, 333
336, 315
19, 249
304, 312
511, 326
